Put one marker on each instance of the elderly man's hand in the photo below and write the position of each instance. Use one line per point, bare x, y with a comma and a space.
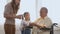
42, 25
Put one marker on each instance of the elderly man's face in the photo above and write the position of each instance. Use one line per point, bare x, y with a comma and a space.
43, 13
17, 2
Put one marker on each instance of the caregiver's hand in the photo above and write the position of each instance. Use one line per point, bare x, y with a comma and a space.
19, 16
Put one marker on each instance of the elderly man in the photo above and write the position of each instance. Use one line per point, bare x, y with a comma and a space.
43, 21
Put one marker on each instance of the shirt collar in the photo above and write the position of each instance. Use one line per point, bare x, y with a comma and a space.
44, 17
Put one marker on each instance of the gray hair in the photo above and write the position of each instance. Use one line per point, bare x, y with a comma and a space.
44, 8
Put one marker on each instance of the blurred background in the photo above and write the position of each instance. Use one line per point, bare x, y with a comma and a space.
33, 7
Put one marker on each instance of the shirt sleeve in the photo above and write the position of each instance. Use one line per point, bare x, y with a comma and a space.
7, 10
49, 23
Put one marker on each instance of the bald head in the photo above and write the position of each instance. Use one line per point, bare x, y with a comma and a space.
43, 12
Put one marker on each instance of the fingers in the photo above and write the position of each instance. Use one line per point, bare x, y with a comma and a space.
19, 16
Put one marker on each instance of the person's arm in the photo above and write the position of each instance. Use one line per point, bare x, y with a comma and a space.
19, 17
9, 16
49, 23
7, 12
34, 24
37, 25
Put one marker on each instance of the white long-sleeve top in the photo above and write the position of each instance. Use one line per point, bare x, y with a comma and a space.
24, 23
